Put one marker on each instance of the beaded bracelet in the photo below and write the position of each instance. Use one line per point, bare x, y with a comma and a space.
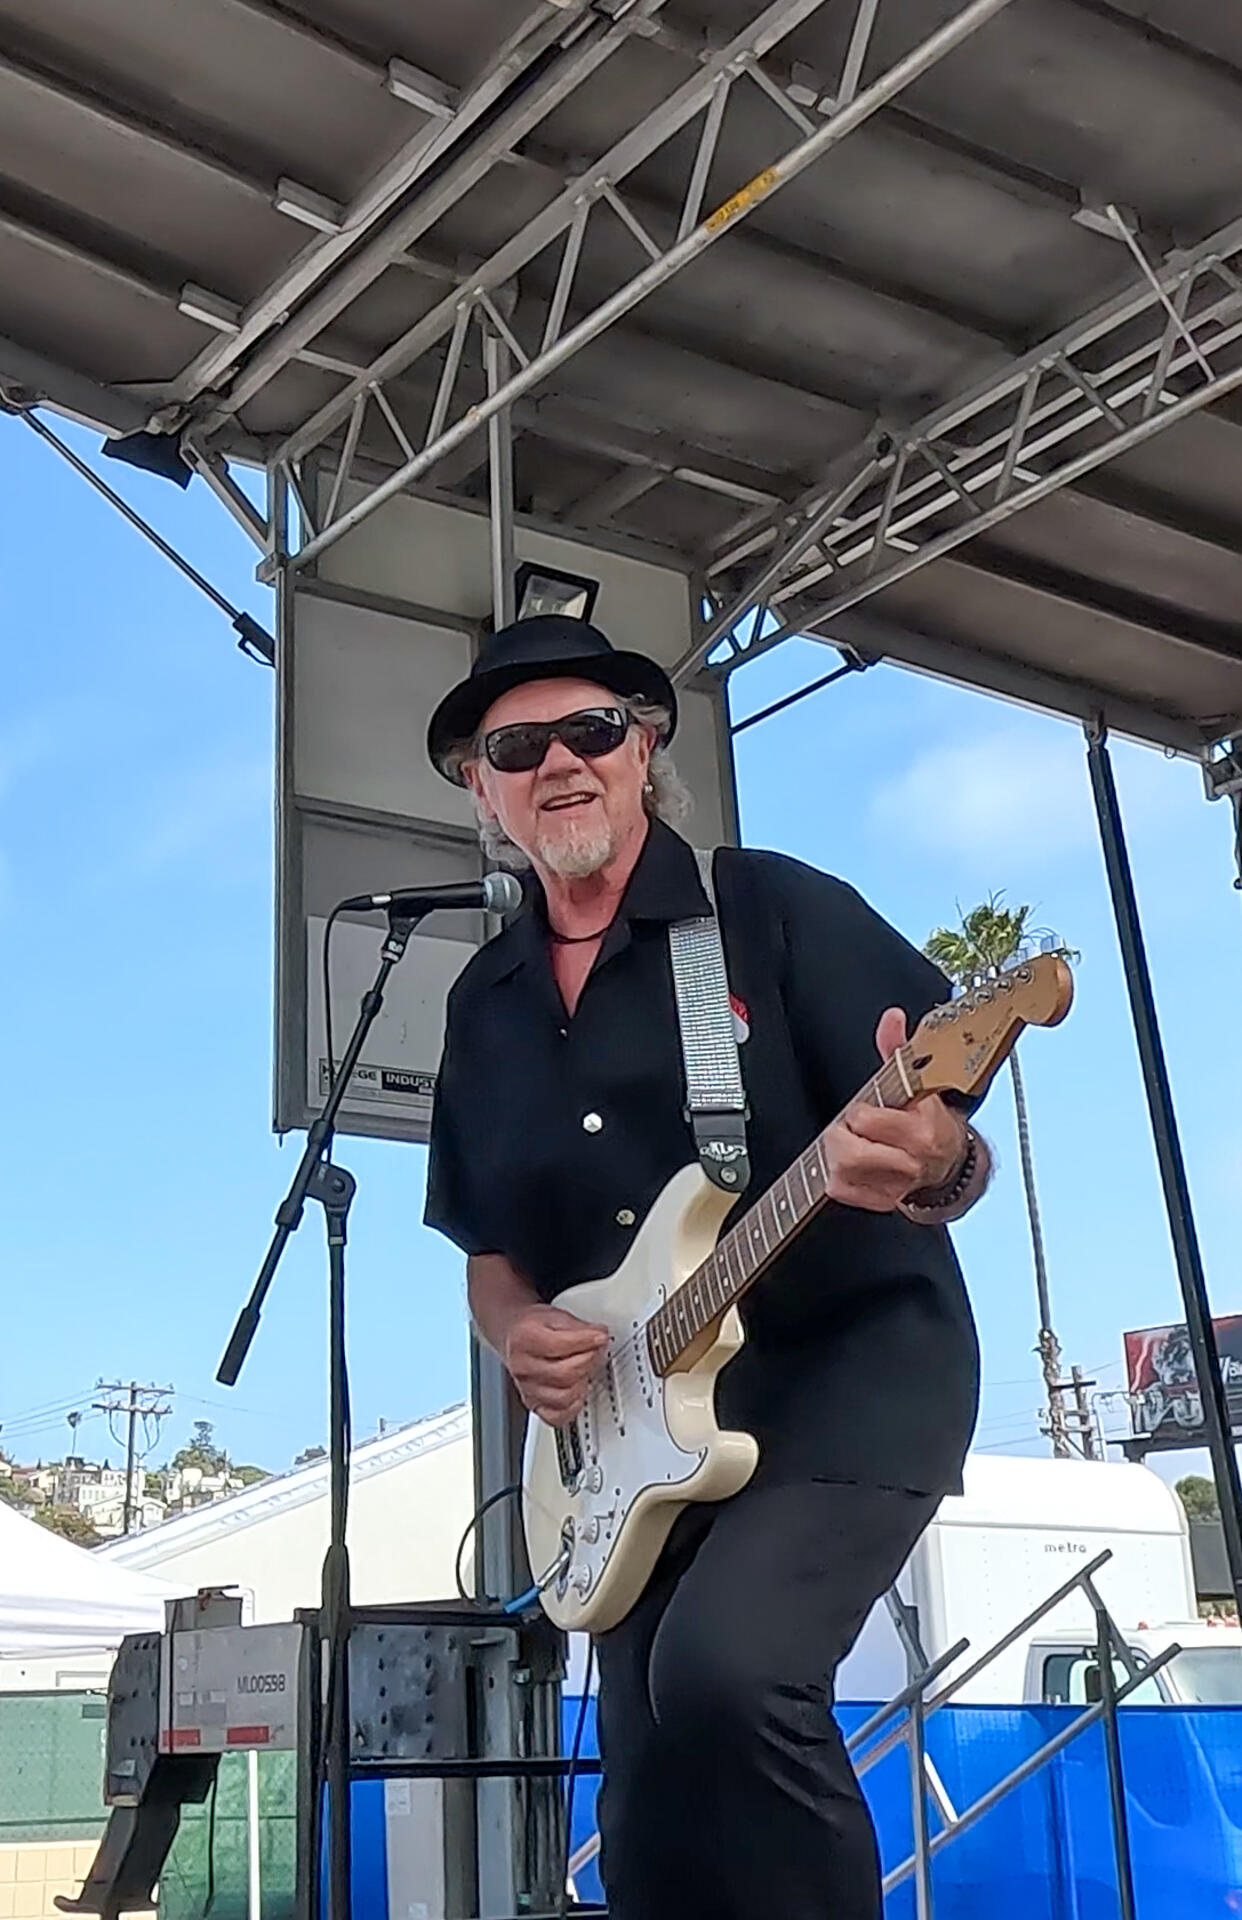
933, 1205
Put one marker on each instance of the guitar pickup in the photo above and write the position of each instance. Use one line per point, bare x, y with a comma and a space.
569, 1455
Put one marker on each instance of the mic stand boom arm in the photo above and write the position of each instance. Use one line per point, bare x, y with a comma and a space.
317, 1178
318, 1141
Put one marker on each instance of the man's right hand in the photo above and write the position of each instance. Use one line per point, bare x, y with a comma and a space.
551, 1356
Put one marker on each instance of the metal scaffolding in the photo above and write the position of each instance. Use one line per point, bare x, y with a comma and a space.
475, 298
1092, 391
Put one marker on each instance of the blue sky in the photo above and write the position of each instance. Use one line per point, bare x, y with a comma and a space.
135, 925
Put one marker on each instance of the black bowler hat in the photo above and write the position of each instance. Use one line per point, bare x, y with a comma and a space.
550, 646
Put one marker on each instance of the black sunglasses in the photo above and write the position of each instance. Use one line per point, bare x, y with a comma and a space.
590, 732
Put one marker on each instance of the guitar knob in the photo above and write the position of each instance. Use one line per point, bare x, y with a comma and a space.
580, 1579
595, 1480
589, 1531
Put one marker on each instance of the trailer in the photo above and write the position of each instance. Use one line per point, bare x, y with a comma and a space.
994, 1554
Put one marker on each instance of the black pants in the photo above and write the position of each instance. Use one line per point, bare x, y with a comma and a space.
727, 1792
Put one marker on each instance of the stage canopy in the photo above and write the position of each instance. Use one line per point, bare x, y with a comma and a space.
916, 323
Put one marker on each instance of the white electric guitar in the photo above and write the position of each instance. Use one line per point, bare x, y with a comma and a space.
599, 1496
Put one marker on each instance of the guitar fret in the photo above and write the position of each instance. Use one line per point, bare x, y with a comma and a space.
753, 1242
787, 1206
722, 1261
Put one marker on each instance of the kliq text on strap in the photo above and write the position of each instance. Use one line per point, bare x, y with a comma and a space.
715, 1097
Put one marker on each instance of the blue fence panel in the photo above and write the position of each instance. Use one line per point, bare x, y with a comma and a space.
1045, 1852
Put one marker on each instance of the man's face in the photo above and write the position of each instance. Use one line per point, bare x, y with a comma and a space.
570, 815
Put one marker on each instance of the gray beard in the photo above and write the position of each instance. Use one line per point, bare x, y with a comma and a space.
576, 855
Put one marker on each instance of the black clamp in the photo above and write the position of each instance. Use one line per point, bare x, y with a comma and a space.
721, 1141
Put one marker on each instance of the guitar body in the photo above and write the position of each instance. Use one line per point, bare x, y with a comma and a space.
606, 1491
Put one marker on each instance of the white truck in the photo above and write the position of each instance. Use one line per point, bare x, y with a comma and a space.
1020, 1530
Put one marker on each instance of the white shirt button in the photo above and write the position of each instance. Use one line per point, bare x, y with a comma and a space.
592, 1123
625, 1216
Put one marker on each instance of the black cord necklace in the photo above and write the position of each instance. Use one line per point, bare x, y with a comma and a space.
576, 939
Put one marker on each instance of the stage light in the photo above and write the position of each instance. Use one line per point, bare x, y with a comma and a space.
153, 452
539, 589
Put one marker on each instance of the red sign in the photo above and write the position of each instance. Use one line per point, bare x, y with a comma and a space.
1167, 1408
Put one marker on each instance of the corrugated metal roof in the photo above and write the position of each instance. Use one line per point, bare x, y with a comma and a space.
160, 162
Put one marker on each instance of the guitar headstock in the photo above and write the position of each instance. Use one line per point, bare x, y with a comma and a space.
958, 1047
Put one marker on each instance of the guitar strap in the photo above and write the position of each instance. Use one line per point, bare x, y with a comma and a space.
715, 1097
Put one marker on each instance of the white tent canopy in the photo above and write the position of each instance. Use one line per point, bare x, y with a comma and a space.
56, 1598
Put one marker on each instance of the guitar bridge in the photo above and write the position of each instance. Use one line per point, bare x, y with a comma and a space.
569, 1455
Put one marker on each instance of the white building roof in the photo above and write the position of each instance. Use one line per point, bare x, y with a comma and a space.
411, 1496
282, 1493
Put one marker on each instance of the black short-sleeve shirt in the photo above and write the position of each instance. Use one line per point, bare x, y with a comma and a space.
552, 1136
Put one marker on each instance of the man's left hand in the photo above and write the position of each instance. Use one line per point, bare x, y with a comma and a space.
878, 1155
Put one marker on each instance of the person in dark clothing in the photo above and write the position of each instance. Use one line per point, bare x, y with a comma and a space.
559, 1118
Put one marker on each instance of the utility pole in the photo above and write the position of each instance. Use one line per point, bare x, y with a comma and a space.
133, 1405
1086, 1423
1048, 1348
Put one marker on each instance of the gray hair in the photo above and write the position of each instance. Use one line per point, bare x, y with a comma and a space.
665, 797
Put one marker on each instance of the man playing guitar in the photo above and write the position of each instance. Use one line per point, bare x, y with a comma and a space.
559, 1118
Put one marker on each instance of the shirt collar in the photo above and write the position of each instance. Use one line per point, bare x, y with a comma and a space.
665, 883
664, 886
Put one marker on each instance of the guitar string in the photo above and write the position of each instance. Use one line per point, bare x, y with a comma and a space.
624, 1359
893, 1078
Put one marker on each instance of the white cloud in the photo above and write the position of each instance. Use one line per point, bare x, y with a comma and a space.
1000, 794
1008, 794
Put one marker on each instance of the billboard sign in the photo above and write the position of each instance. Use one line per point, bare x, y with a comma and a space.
1167, 1407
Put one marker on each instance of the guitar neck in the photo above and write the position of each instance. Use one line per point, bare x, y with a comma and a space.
750, 1247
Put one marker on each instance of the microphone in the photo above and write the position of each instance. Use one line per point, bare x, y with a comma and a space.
494, 893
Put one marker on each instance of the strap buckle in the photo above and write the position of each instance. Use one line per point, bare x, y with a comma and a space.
720, 1137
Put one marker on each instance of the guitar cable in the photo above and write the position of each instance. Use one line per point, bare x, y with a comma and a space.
493, 1499
519, 1605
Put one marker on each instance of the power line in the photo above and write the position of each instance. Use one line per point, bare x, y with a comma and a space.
36, 1435
45, 1415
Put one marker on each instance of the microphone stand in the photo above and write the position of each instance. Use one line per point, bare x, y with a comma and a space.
319, 1178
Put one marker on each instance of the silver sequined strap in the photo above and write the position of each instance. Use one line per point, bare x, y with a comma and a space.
715, 1096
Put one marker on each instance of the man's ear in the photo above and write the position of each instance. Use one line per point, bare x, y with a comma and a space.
472, 775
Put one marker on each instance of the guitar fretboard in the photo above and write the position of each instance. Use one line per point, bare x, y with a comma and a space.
750, 1247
